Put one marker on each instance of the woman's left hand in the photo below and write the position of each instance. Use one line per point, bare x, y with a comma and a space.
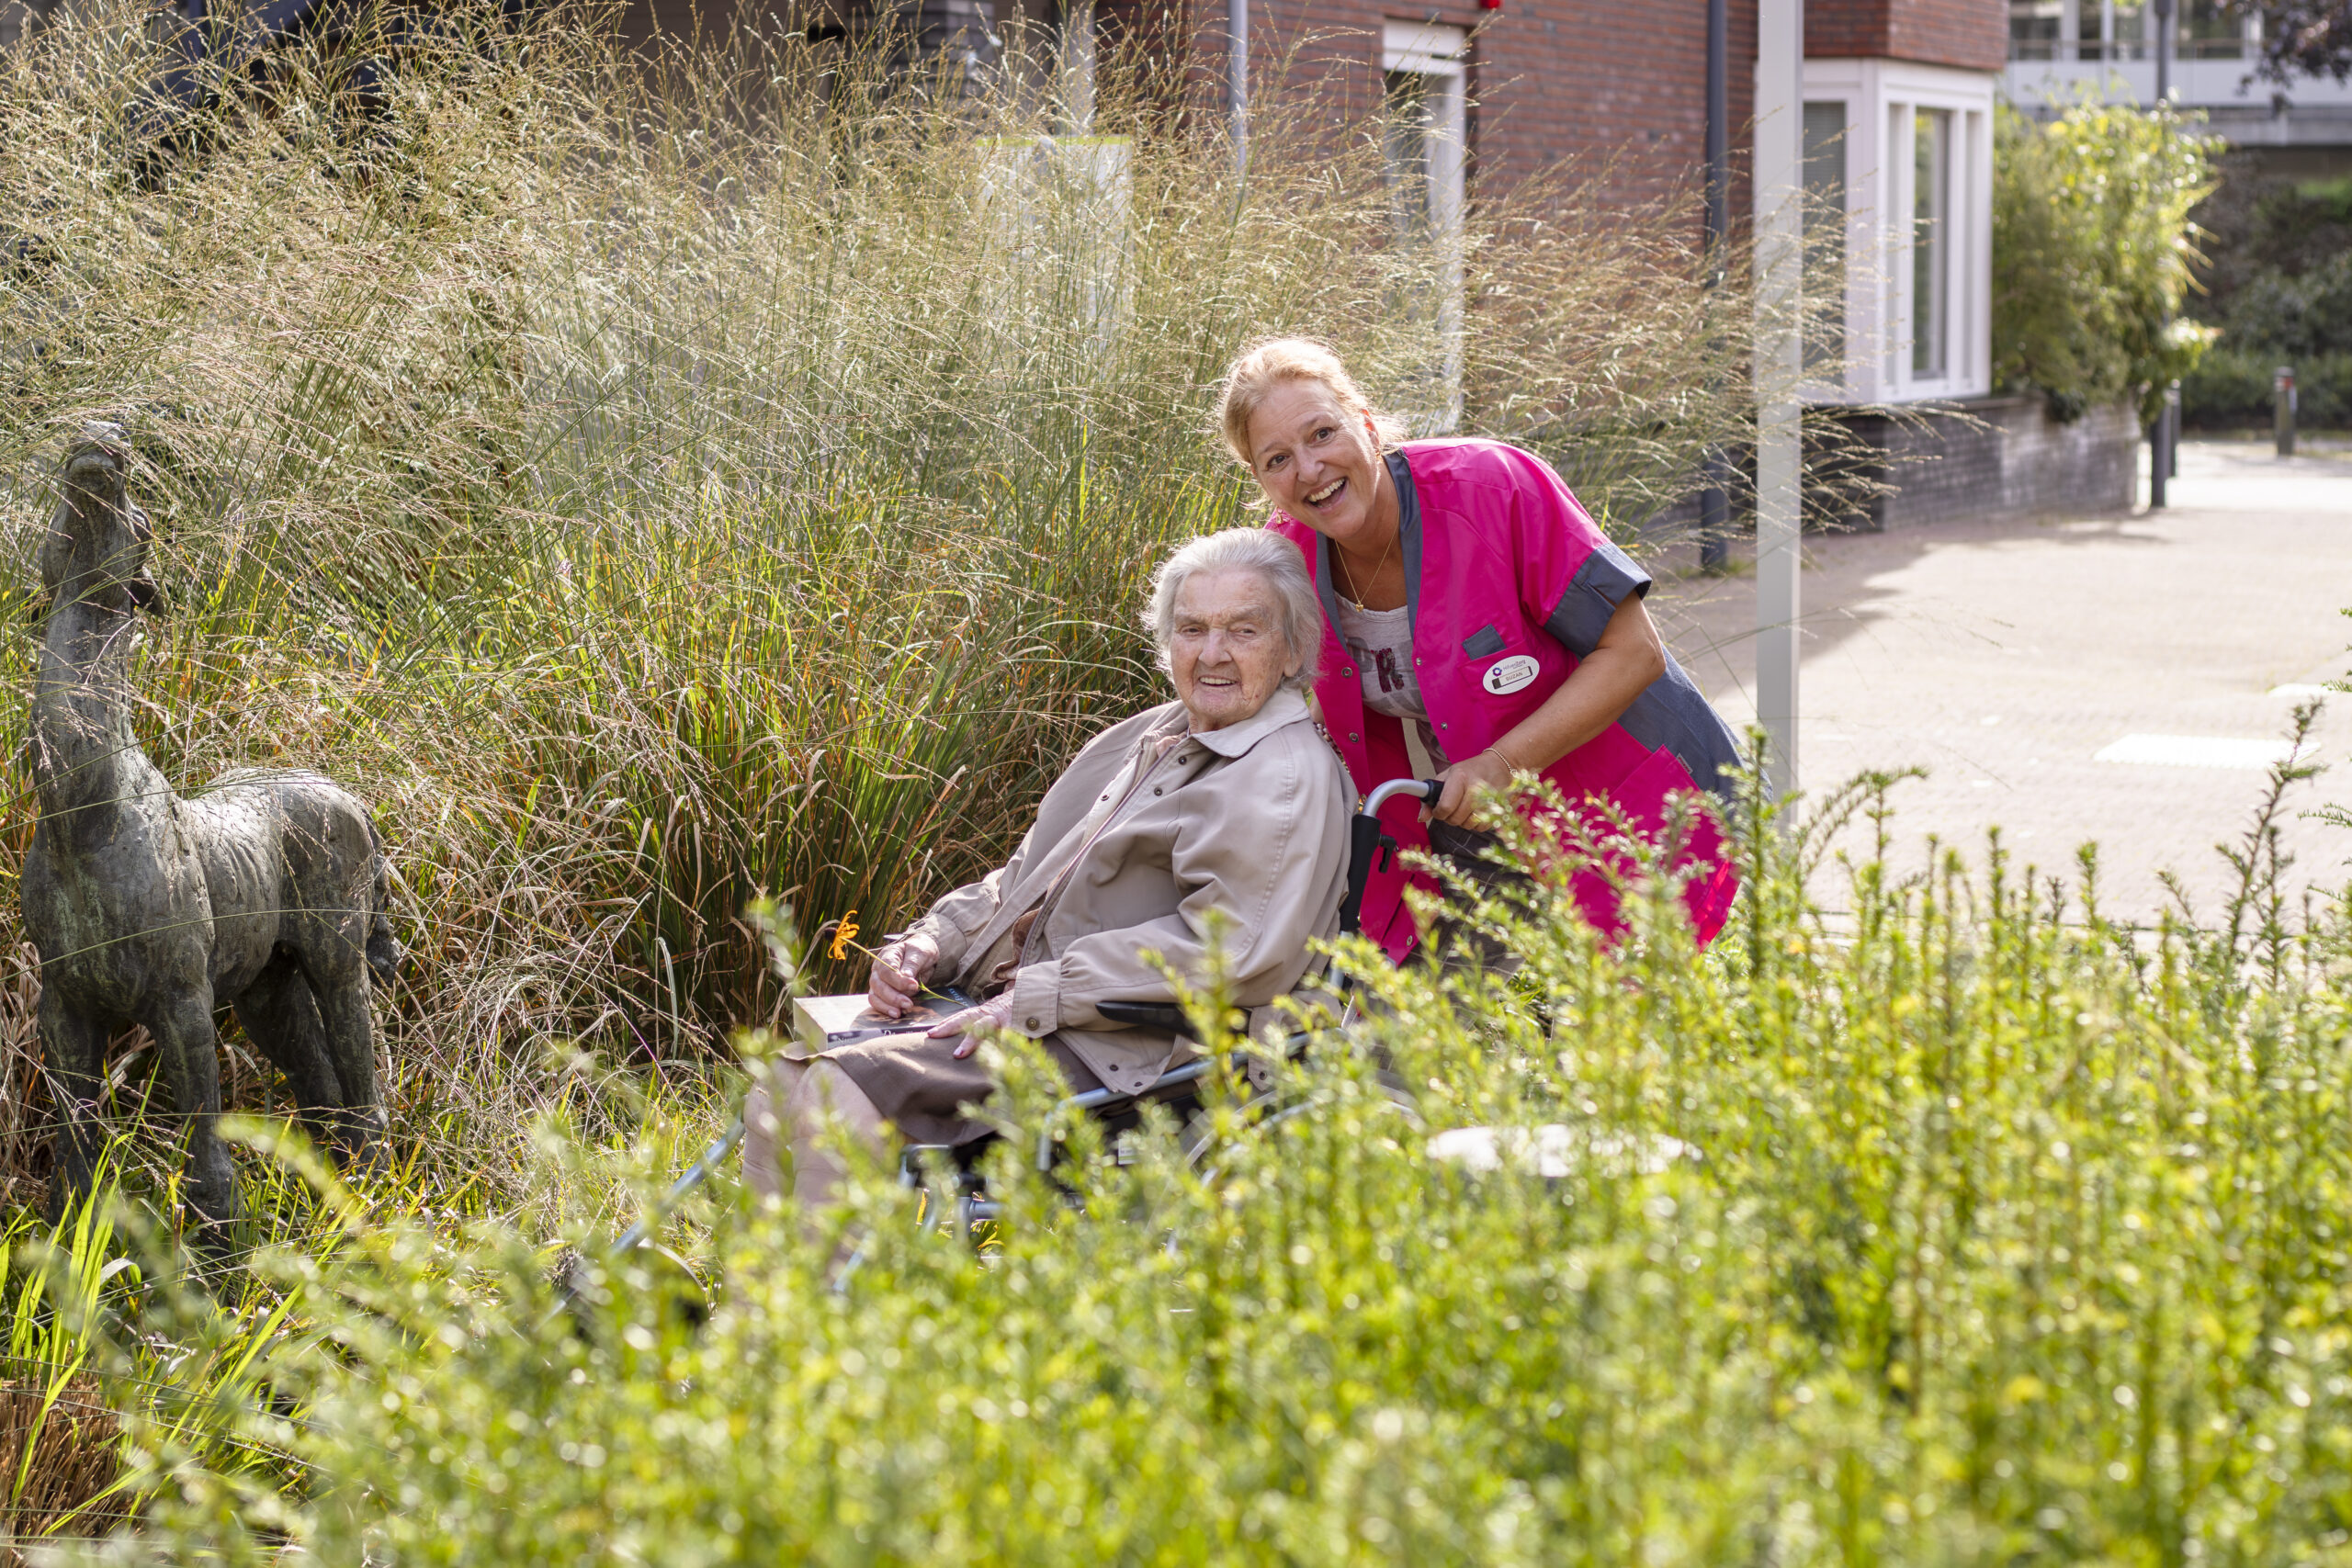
1463, 782
972, 1022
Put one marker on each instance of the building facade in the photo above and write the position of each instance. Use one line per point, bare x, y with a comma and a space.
1898, 149
1476, 95
2061, 49
1898, 131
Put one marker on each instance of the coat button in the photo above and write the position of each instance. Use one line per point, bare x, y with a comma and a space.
1353, 735
1033, 1024
1155, 789
1347, 670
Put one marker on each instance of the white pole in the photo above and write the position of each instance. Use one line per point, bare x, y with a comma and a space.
1780, 271
1078, 64
1237, 79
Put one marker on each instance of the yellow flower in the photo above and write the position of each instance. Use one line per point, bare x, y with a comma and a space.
845, 933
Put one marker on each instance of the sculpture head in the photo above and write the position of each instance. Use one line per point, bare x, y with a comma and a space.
97, 545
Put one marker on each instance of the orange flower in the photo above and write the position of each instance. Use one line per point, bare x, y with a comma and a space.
843, 934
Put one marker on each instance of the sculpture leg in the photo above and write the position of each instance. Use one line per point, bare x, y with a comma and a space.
73, 1050
189, 1046
282, 1019
351, 1050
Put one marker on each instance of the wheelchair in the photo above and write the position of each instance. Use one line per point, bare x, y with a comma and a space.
1179, 1089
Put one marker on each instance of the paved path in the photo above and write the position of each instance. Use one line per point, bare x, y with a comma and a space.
2008, 659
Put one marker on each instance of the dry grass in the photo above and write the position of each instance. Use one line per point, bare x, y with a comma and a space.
74, 1442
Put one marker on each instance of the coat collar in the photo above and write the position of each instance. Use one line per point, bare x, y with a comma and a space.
1284, 707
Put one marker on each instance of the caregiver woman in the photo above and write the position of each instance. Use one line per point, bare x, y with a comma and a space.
1477, 625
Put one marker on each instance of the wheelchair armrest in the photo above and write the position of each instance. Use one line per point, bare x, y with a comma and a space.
1162, 1016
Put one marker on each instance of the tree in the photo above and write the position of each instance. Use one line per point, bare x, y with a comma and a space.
2091, 250
2300, 37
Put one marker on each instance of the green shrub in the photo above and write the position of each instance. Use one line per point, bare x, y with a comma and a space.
2230, 390
1967, 1226
2280, 293
2091, 252
2297, 317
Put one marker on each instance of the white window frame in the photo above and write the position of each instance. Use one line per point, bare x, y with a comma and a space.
1440, 55
1882, 98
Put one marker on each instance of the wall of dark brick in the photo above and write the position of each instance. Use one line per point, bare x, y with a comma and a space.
1972, 34
1616, 92
1844, 29
2002, 459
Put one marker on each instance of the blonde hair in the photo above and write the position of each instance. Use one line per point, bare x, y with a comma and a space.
1265, 365
1275, 560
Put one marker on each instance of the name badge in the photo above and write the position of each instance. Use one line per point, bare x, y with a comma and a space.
1505, 676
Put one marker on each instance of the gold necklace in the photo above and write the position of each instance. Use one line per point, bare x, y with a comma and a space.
1342, 553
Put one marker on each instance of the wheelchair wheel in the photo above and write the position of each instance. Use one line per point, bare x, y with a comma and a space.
1275, 1106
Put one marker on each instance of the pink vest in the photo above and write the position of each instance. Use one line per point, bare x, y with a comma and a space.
1509, 584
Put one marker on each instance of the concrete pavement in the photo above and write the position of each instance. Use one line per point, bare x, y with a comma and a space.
2123, 679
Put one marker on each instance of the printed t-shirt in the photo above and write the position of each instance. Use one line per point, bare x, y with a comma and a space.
1381, 642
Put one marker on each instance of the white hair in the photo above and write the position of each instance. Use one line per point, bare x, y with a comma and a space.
1275, 560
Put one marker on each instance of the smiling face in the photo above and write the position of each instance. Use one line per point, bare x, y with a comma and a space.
1321, 464
1226, 653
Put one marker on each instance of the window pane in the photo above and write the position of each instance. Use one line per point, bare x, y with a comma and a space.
1824, 239
2210, 31
1405, 143
1930, 207
2033, 29
1421, 137
2127, 30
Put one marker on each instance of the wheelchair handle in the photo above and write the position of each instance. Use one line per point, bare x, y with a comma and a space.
1368, 846
1428, 789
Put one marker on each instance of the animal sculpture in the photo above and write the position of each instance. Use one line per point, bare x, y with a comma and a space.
265, 892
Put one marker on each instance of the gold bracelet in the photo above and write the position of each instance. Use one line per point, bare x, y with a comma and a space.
1504, 755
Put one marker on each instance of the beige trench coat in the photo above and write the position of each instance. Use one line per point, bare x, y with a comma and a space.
1144, 834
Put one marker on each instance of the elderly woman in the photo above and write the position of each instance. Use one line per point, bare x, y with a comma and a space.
1227, 802
1478, 627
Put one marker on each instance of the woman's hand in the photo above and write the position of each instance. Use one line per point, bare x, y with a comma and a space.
972, 1022
1463, 782
898, 972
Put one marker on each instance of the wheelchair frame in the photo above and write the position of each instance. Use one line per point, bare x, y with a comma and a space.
1367, 847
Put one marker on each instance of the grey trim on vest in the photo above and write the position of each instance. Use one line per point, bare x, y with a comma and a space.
1325, 591
1409, 529
1481, 642
1672, 713
1600, 585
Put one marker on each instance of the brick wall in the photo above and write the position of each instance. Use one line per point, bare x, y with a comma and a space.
1623, 84
1844, 29
1618, 91
2014, 461
1972, 34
